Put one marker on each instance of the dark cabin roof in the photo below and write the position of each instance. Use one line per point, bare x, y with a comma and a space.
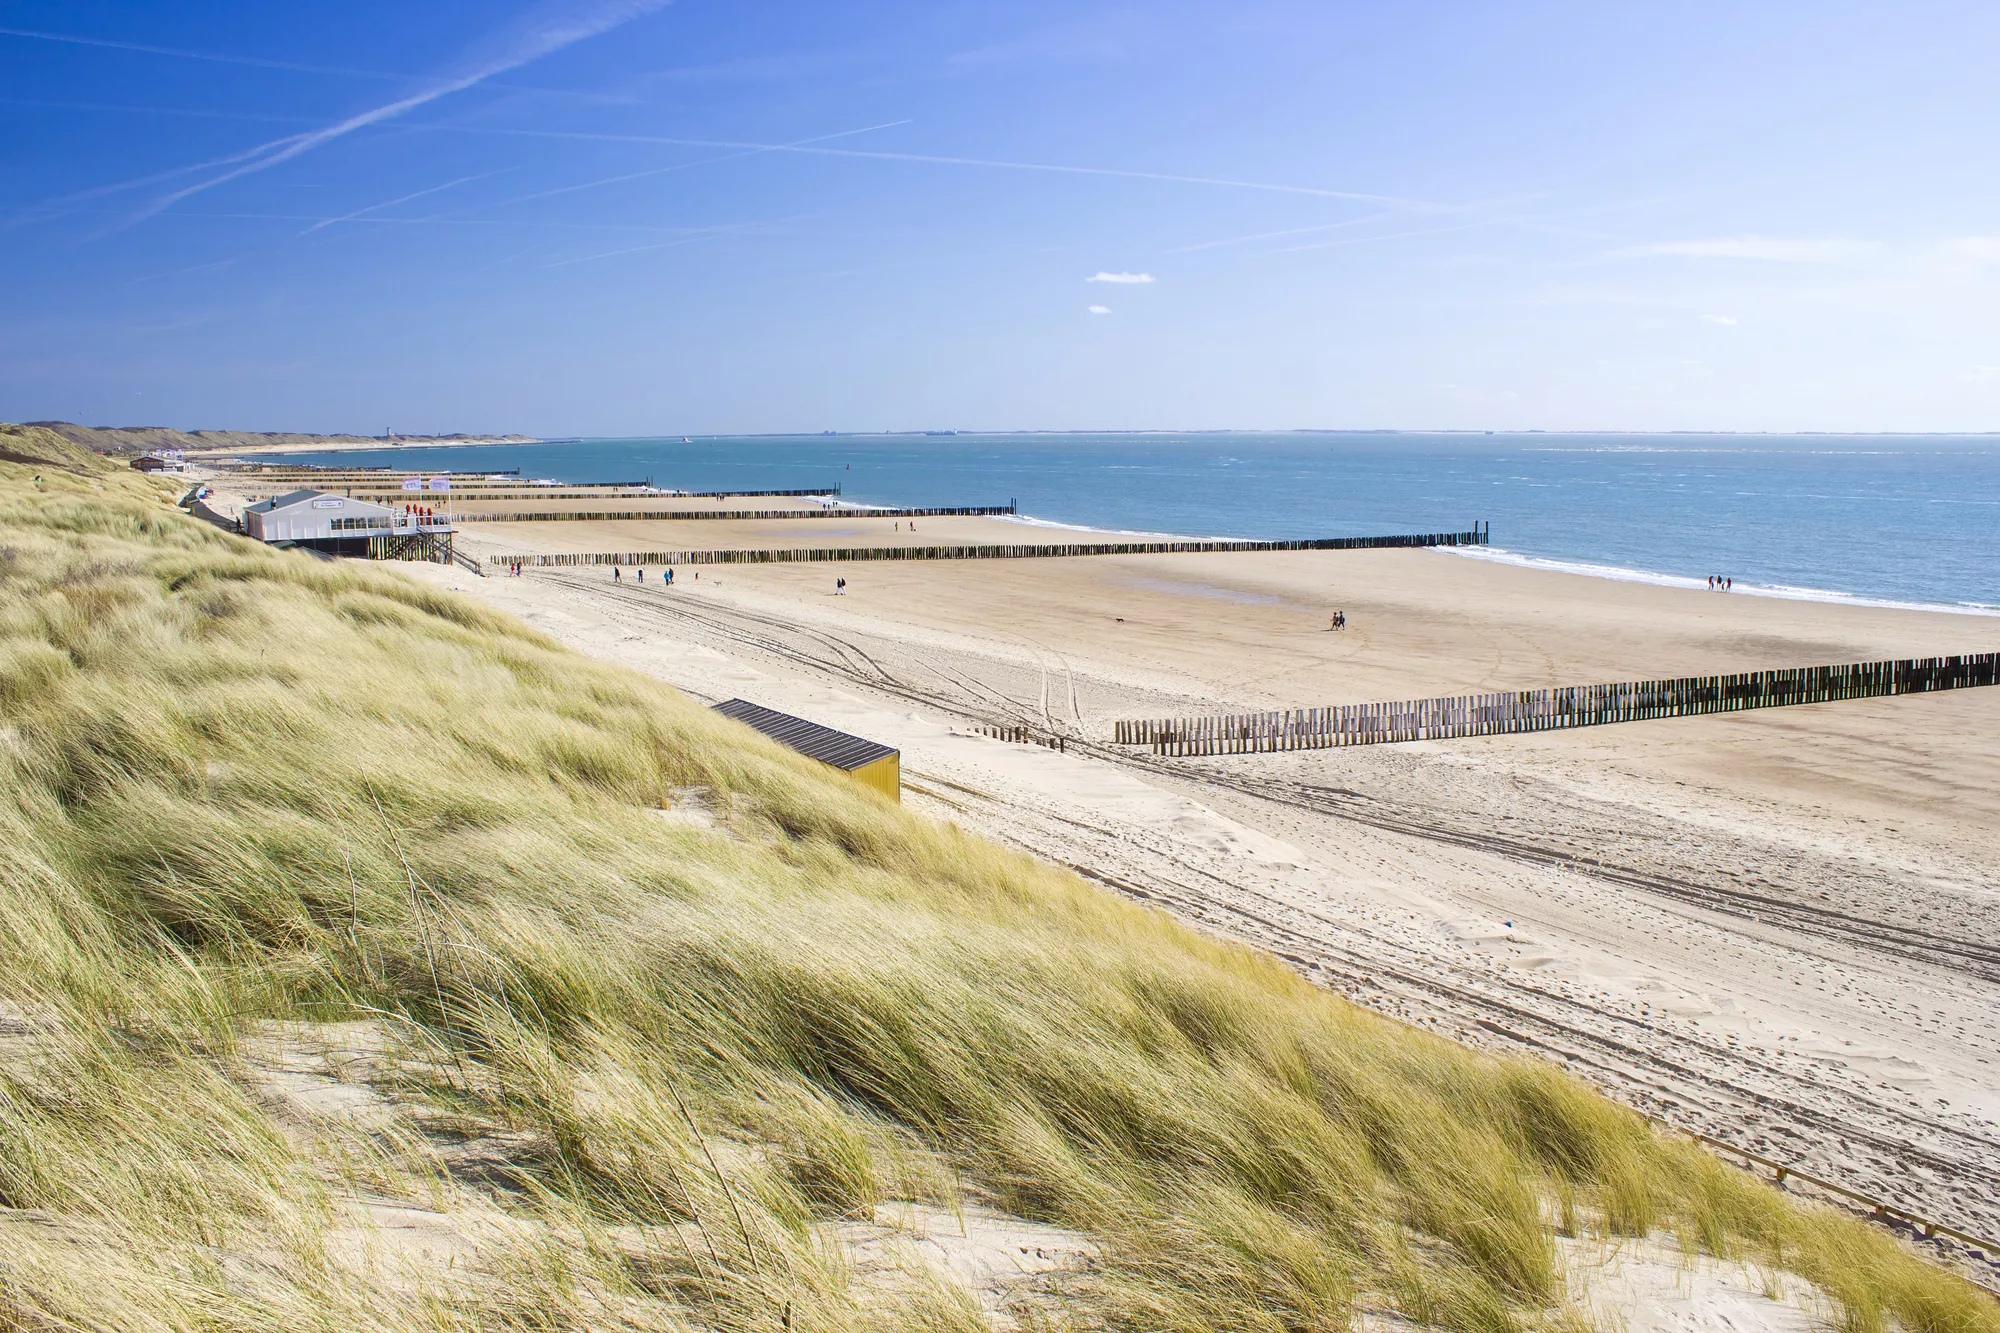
808, 738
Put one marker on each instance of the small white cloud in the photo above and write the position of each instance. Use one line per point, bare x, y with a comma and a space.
1119, 277
1981, 375
1986, 249
1728, 321
1771, 249
1100, 310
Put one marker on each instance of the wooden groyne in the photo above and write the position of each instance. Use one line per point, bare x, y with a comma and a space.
1011, 551
329, 472
1548, 710
751, 495
966, 511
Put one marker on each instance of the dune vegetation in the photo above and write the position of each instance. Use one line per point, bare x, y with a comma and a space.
654, 1008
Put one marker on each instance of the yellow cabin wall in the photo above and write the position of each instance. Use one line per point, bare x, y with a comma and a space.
884, 775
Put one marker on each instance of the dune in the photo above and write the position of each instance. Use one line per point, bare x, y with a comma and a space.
372, 960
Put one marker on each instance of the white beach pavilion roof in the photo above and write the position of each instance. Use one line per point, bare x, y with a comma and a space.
302, 516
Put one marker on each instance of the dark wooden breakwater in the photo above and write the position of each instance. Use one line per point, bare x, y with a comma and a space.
729, 495
1547, 710
1011, 551
965, 511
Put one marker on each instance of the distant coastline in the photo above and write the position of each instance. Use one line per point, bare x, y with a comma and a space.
130, 440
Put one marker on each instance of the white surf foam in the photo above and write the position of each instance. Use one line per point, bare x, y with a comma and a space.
1500, 555
1109, 532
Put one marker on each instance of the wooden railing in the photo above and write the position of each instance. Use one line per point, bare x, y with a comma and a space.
1014, 551
1551, 709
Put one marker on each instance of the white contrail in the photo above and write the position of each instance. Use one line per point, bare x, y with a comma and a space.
1387, 236
254, 62
689, 166
1273, 235
443, 220
404, 199
1413, 205
553, 27
699, 234
49, 207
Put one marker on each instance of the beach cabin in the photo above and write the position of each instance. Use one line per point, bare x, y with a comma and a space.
868, 762
343, 525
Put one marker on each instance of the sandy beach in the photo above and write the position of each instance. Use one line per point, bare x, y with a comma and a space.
844, 528
1773, 927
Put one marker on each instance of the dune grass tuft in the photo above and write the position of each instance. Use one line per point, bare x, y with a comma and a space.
244, 788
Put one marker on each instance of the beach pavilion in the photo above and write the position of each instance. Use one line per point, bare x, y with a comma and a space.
343, 525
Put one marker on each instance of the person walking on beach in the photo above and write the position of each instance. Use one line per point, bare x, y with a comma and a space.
670, 576
642, 574
615, 575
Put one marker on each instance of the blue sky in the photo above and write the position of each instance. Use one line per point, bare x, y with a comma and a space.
628, 217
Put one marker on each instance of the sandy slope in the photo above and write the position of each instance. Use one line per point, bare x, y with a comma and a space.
1777, 927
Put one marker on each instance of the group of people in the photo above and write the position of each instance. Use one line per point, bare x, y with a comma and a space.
1719, 582
618, 575
1338, 621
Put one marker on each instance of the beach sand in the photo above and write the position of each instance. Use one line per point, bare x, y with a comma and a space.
1775, 927
846, 528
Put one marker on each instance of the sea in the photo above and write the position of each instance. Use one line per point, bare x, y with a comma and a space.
1900, 520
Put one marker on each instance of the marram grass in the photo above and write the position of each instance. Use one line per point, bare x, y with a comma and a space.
241, 788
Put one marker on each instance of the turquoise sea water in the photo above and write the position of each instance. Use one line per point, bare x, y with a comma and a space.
1905, 519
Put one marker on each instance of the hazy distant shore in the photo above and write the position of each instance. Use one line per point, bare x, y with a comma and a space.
127, 440
343, 444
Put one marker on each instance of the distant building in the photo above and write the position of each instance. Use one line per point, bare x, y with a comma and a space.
868, 762
343, 525
161, 460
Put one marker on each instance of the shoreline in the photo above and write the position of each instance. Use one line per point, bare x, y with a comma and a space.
1569, 564
1500, 555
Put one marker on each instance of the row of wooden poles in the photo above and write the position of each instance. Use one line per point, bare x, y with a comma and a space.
623, 490
1016, 551
1545, 710
1023, 735
963, 511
